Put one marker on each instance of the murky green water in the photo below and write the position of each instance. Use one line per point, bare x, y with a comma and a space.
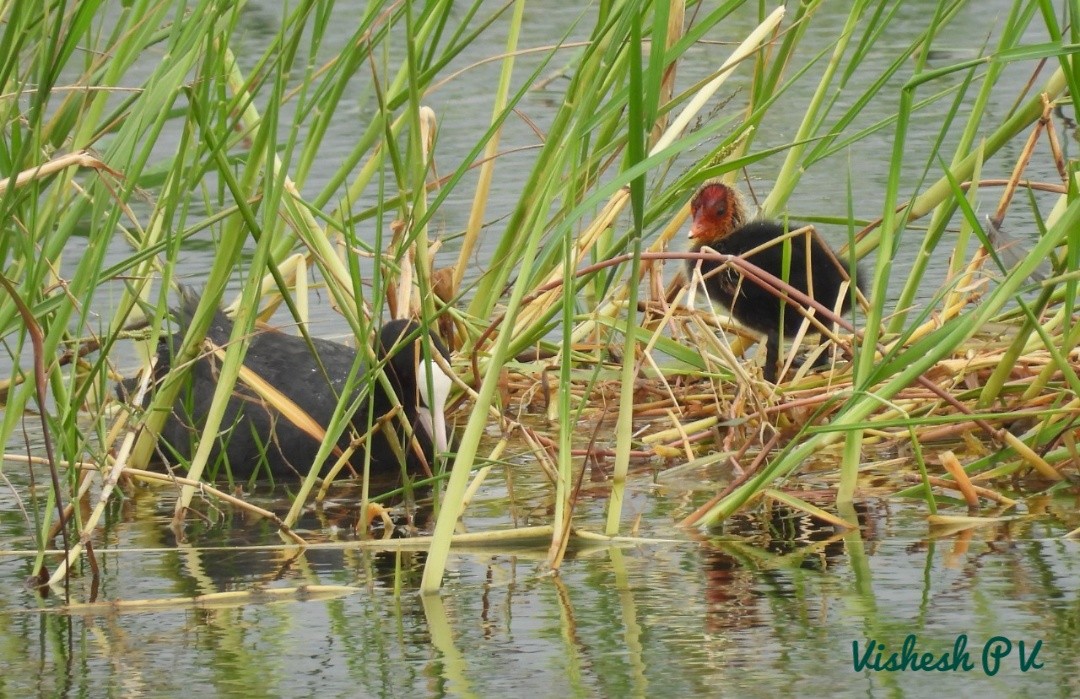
766, 606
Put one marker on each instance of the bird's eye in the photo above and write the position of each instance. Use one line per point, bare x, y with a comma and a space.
721, 208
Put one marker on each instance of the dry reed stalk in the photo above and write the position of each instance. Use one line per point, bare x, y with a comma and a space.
82, 159
213, 600
980, 491
963, 483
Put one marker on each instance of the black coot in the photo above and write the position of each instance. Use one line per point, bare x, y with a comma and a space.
258, 440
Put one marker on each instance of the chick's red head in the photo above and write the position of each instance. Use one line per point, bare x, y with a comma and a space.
717, 211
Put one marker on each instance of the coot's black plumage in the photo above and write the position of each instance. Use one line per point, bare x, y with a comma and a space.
720, 223
256, 439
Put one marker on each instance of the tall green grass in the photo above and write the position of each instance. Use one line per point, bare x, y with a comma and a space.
135, 131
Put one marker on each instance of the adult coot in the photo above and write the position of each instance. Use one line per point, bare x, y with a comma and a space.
257, 438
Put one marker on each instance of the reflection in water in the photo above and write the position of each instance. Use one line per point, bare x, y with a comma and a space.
679, 615
752, 554
232, 552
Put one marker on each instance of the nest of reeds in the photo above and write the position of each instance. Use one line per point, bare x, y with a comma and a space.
985, 375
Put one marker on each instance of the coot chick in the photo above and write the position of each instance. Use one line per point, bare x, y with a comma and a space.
720, 222
258, 440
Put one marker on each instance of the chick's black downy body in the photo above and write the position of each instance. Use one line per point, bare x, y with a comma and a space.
719, 223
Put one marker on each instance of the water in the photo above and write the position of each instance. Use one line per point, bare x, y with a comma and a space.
769, 604
715, 614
